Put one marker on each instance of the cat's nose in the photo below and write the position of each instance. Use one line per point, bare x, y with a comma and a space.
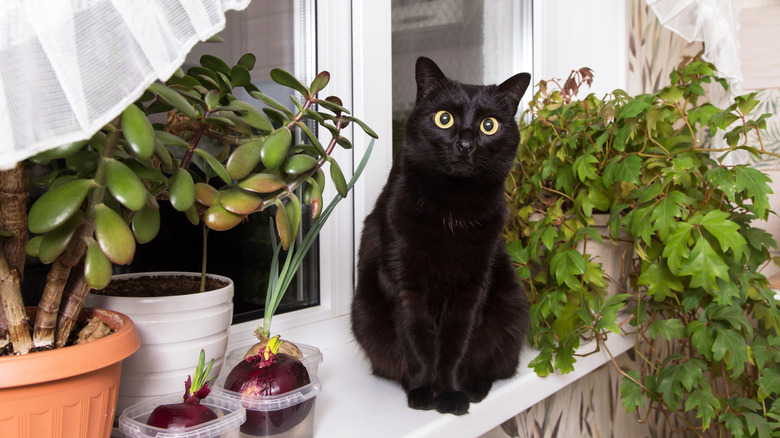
465, 146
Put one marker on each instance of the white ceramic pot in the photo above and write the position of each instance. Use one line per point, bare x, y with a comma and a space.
173, 330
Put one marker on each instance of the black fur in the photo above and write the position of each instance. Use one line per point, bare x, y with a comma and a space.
438, 306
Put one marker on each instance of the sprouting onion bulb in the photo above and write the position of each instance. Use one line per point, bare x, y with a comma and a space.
266, 374
190, 412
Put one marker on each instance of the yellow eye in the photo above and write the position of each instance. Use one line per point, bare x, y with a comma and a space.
443, 119
489, 126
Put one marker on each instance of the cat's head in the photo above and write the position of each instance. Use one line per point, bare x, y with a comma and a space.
463, 131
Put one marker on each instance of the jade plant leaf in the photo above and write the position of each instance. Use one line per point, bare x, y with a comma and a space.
320, 81
239, 201
293, 211
174, 99
97, 268
286, 78
251, 115
113, 235
263, 183
274, 150
146, 224
215, 64
138, 131
182, 190
219, 219
58, 205
215, 165
244, 158
53, 243
125, 185
206, 194
298, 164
247, 60
239, 76
337, 176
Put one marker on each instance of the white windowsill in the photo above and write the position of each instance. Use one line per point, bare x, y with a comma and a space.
354, 403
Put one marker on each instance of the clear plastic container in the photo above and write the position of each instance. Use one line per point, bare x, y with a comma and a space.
231, 415
288, 415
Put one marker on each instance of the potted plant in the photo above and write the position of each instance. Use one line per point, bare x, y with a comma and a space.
216, 159
704, 318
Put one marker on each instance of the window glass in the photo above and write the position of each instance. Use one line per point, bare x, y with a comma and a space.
476, 42
280, 35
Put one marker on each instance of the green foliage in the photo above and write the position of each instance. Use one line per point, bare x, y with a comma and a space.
705, 320
215, 158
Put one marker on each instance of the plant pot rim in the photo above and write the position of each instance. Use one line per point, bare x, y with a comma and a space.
61, 363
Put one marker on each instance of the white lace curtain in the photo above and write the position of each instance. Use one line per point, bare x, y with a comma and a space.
68, 67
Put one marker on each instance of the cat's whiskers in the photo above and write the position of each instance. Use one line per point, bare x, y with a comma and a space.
452, 222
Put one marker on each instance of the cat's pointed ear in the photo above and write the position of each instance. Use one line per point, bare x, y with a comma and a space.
427, 74
515, 86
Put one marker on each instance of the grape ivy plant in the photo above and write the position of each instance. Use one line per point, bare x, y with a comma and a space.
702, 313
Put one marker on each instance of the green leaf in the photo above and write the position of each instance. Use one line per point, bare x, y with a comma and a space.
769, 382
124, 185
247, 60
584, 167
252, 116
666, 213
239, 201
169, 139
566, 265
756, 184
337, 176
319, 82
630, 392
263, 183
145, 224
628, 168
632, 109
113, 235
58, 205
705, 404
53, 243
215, 165
730, 347
676, 248
219, 219
726, 231
174, 99
704, 266
286, 78
239, 76
298, 164
215, 64
181, 191
668, 328
97, 268
660, 282
274, 150
701, 338
370, 132
138, 131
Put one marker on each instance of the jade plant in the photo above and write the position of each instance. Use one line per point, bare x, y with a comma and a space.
189, 141
701, 311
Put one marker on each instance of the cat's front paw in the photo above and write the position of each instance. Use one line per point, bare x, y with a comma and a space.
420, 398
478, 390
453, 402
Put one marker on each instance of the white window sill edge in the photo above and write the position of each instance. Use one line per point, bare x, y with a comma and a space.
354, 403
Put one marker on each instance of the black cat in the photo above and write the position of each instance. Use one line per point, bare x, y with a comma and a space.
438, 306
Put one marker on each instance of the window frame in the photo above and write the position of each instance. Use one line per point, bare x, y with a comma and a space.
354, 45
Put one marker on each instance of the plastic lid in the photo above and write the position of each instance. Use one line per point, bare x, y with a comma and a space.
231, 414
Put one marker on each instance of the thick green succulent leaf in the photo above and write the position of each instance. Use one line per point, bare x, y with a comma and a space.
244, 158
271, 102
55, 241
33, 246
113, 235
181, 191
192, 215
58, 205
215, 64
239, 76
298, 164
58, 152
174, 99
97, 268
263, 183
283, 226
312, 195
146, 224
253, 116
206, 194
293, 211
286, 78
125, 185
172, 140
274, 150
239, 201
83, 161
370, 132
219, 219
247, 60
138, 131
215, 165
319, 82
337, 176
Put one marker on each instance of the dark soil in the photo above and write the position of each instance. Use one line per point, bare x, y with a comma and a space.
158, 286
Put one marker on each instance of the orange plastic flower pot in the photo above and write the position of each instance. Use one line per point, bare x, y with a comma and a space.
66, 392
